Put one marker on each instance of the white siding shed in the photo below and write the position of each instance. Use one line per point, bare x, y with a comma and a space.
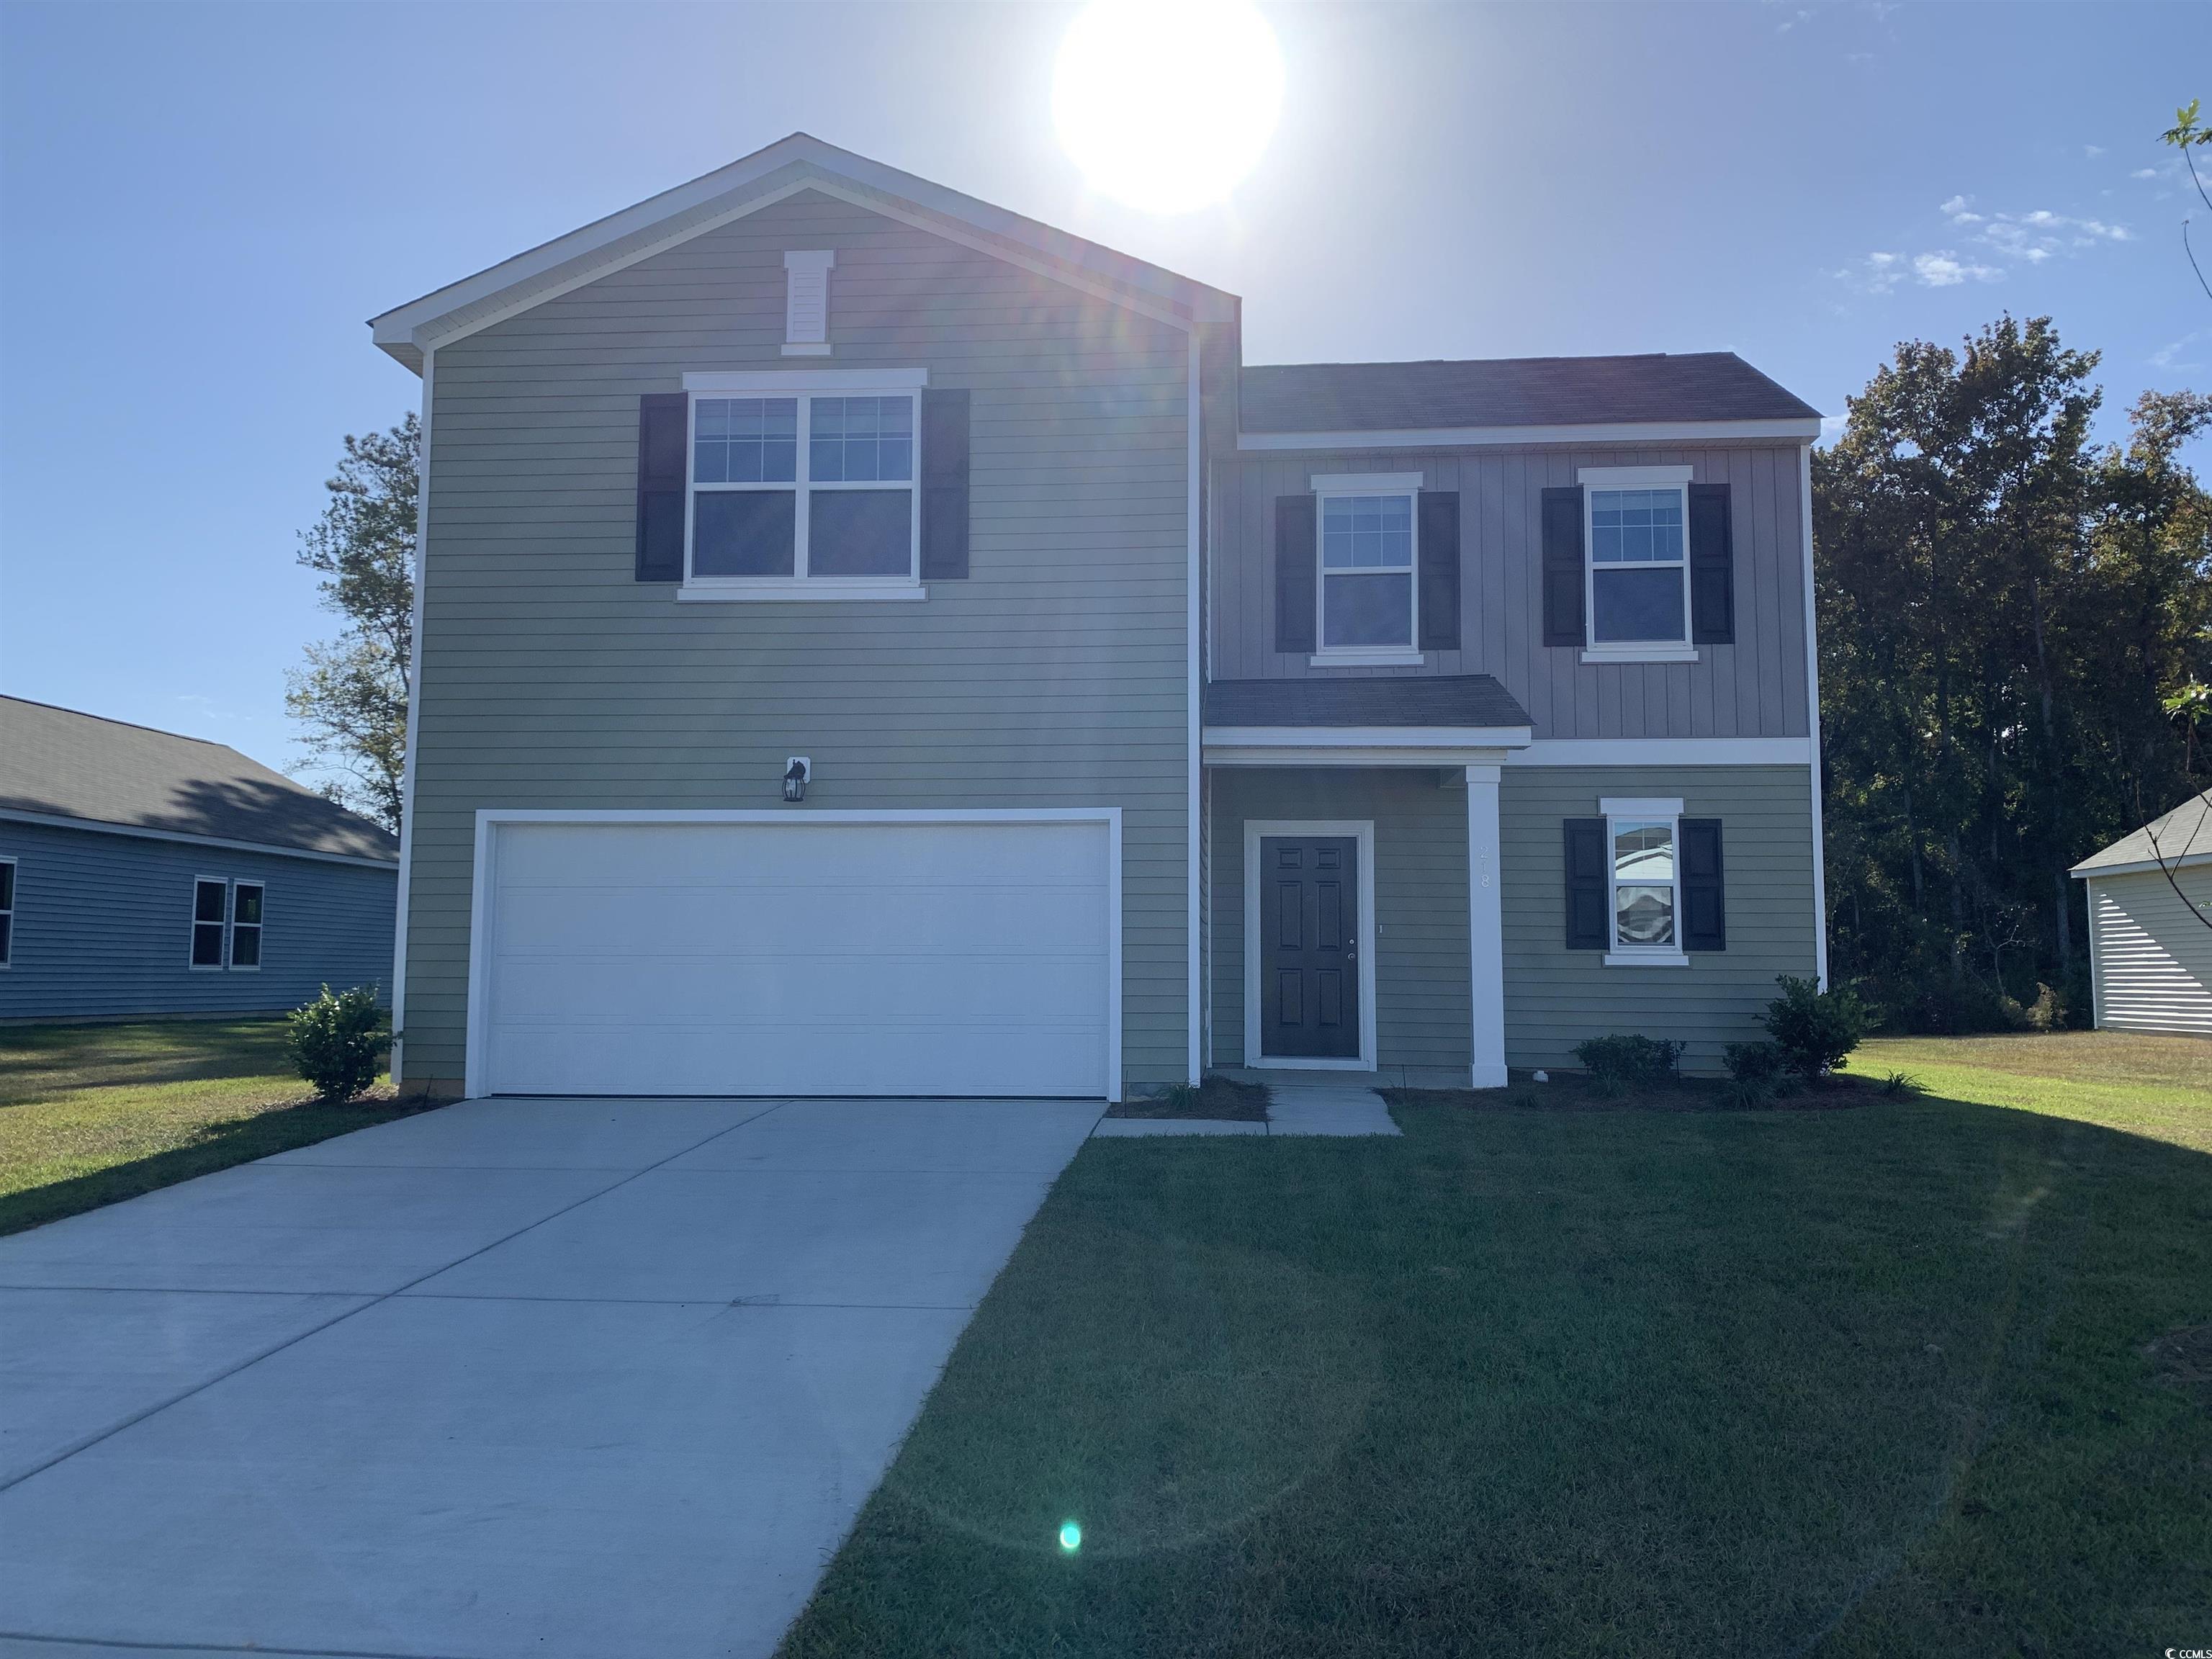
2150, 924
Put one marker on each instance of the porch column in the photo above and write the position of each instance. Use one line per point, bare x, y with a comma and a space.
1485, 928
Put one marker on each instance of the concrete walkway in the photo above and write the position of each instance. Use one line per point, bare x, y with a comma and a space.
1296, 1108
576, 1379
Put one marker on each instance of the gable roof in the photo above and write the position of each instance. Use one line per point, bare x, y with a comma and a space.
784, 167
58, 763
2181, 837
1512, 391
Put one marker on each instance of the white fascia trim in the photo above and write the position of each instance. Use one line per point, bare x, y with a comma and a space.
1646, 959
1362, 831
1664, 751
795, 590
713, 383
101, 826
1601, 654
1640, 806
2134, 867
1347, 483
1192, 707
1812, 721
414, 732
1633, 477
1470, 437
1366, 736
476, 1079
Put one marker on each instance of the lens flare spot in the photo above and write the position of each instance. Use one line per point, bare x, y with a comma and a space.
1070, 1536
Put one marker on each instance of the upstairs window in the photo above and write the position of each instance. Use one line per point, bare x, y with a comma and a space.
1639, 556
1367, 548
817, 486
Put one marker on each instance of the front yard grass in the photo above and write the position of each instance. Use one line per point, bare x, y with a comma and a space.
92, 1113
1924, 1377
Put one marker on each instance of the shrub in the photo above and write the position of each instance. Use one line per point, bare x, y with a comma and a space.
1901, 1085
1760, 1064
1815, 1028
338, 1041
1627, 1060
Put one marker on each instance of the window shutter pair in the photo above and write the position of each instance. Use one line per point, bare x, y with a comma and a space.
663, 427
1701, 908
1297, 572
1712, 567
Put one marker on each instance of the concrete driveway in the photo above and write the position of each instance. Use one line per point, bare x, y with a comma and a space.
553, 1378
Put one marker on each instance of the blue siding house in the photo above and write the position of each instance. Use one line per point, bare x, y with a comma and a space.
145, 873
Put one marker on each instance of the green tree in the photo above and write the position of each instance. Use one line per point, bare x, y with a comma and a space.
350, 698
2185, 135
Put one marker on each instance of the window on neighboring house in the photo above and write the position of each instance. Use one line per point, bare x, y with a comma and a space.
210, 922
246, 924
1368, 594
7, 912
1639, 564
839, 505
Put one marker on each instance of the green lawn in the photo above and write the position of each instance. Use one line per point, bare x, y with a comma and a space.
91, 1114
1897, 1379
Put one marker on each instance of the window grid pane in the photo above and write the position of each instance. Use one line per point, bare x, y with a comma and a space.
860, 440
1367, 532
1636, 526
745, 440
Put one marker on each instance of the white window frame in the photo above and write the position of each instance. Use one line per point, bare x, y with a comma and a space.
1593, 479
8, 913
1626, 809
230, 928
191, 939
803, 386
1408, 655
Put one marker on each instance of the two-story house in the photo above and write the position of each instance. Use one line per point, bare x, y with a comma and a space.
872, 643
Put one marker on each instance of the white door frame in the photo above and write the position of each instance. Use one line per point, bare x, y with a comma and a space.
476, 1079
1363, 829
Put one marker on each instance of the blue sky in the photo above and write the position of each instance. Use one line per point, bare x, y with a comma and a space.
200, 204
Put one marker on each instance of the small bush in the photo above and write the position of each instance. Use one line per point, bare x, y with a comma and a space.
2048, 1012
1815, 1028
1901, 1085
338, 1041
1762, 1063
1626, 1061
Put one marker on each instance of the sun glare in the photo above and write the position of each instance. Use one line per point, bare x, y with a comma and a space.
1166, 107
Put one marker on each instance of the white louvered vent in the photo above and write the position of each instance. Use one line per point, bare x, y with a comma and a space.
806, 303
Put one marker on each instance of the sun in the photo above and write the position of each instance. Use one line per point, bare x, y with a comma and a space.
1166, 105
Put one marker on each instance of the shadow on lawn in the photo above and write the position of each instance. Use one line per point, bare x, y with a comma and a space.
1571, 1382
216, 1146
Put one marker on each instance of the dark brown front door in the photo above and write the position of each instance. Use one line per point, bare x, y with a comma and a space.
1310, 946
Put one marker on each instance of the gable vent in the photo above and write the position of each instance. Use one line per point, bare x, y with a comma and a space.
806, 303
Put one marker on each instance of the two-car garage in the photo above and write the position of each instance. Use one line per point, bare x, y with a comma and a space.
800, 953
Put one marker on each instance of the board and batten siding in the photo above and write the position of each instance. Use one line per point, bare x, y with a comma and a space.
2152, 958
1054, 675
104, 926
1422, 1011
1753, 687
1555, 997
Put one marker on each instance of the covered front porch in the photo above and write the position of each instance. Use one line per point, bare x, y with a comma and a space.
1353, 887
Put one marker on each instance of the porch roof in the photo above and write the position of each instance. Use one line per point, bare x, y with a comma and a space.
1431, 702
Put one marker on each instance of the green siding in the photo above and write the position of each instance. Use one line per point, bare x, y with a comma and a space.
1555, 997
1053, 677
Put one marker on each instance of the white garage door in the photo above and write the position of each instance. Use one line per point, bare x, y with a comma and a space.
803, 955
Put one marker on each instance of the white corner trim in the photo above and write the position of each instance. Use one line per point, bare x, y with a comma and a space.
1631, 653
1640, 806
753, 381
1380, 657
414, 732
476, 1080
796, 590
1347, 483
1362, 831
1646, 959
1470, 437
1632, 477
1664, 751
1812, 743
1194, 705
1486, 929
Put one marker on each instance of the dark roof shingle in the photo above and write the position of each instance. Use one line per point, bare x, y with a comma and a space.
65, 764
1424, 700
1704, 385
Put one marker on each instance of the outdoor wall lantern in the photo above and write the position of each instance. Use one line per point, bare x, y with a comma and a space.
795, 774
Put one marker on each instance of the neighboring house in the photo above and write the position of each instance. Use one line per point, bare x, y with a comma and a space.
2150, 924
142, 873
1146, 711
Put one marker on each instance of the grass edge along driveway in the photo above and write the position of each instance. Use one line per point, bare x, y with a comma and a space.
91, 1115
1887, 1380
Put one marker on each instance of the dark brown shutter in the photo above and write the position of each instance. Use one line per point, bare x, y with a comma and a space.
1589, 919
1712, 567
944, 484
1563, 565
1439, 570
1704, 909
1295, 574
663, 420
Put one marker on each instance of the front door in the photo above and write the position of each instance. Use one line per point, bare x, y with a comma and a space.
1309, 947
